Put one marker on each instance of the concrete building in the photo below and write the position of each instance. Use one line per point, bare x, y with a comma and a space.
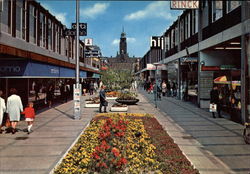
204, 44
35, 52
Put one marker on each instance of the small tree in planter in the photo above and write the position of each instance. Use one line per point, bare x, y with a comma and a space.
117, 79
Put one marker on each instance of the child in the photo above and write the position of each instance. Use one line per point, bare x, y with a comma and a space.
29, 115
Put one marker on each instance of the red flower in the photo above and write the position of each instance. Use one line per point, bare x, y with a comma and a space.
95, 155
116, 152
122, 161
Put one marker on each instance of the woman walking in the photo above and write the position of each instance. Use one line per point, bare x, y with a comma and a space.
2, 110
164, 88
49, 95
14, 108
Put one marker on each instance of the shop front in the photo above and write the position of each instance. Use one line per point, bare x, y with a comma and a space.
31, 79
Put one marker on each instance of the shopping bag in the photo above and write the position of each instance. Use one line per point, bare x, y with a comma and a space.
213, 108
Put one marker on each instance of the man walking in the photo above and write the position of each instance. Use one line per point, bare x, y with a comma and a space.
214, 99
103, 101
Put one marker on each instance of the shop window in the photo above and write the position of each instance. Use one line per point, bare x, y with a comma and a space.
187, 26
176, 35
6, 17
32, 24
182, 30
167, 42
194, 21
20, 19
50, 34
217, 7
42, 30
231, 5
172, 39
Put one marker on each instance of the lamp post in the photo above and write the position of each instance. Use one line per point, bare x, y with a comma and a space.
77, 87
156, 82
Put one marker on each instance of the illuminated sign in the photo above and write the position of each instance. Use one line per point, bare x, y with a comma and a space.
186, 4
157, 42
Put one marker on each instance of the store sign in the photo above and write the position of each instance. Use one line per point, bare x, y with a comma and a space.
157, 42
159, 67
186, 4
88, 41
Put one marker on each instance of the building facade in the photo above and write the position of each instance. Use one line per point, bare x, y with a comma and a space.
204, 44
122, 61
34, 50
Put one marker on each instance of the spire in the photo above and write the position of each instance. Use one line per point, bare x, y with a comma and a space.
123, 29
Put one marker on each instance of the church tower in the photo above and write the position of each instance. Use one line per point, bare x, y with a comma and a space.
123, 43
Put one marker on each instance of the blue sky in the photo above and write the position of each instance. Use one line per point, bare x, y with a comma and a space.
141, 19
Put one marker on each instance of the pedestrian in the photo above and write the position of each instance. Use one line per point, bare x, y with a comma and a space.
66, 92
14, 108
164, 88
37, 89
49, 95
91, 88
2, 110
168, 89
62, 92
84, 88
95, 87
103, 101
214, 99
29, 116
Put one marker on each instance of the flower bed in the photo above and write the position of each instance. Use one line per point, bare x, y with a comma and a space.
125, 143
117, 107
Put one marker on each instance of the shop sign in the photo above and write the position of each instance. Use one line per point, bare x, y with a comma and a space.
185, 4
157, 42
227, 67
210, 68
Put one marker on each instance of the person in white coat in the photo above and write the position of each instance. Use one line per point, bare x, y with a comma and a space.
14, 108
2, 110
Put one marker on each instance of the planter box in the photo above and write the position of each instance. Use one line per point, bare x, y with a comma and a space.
87, 102
127, 102
119, 109
111, 98
88, 105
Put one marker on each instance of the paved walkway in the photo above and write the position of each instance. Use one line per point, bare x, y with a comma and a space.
215, 145
211, 145
37, 153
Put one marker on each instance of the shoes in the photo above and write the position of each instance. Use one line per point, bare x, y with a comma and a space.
105, 112
100, 111
220, 116
13, 131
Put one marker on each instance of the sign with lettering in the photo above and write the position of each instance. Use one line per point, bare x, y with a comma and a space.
157, 42
185, 4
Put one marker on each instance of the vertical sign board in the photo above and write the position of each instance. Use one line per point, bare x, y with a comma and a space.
77, 101
185, 4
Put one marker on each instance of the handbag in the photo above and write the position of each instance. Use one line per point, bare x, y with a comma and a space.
213, 108
105, 103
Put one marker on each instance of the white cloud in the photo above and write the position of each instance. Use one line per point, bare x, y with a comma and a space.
115, 41
59, 16
129, 39
159, 9
95, 10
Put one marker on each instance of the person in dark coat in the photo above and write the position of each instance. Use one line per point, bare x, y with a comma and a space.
50, 95
214, 99
103, 101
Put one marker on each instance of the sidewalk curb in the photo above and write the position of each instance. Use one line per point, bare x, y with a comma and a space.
64, 155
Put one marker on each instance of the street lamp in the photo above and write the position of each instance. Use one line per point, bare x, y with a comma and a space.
156, 64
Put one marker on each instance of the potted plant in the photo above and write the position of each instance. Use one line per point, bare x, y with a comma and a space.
92, 103
118, 107
128, 98
112, 95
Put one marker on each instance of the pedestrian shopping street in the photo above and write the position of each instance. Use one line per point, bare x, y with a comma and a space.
212, 145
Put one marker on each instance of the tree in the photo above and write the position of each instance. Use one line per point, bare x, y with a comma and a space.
117, 79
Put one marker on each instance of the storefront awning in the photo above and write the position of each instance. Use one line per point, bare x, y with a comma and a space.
30, 69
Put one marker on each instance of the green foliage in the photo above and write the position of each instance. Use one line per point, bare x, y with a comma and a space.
117, 79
